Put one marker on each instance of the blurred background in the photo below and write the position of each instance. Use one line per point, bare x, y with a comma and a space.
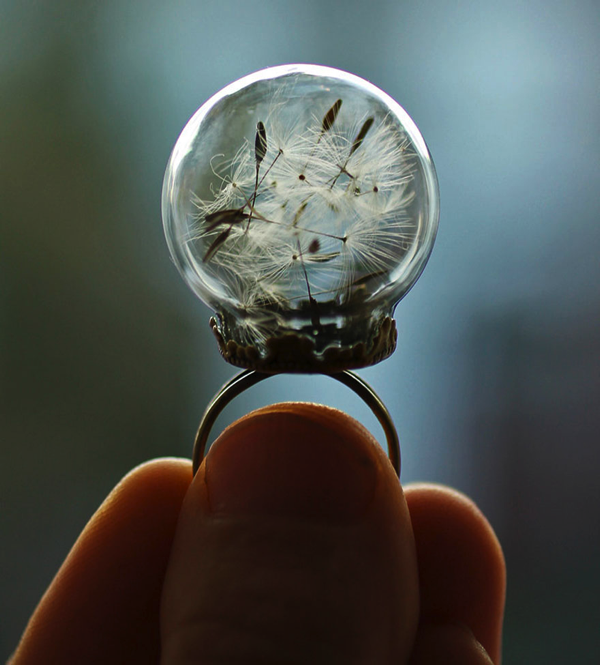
106, 358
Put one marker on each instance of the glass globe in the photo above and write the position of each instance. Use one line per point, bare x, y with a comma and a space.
300, 203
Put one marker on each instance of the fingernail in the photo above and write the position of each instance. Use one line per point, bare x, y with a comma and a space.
299, 461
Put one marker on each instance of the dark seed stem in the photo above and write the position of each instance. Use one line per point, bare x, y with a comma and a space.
266, 173
314, 305
260, 150
360, 137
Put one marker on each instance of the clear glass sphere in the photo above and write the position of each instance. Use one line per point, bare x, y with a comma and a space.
300, 203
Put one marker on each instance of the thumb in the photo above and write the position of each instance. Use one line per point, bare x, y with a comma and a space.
295, 545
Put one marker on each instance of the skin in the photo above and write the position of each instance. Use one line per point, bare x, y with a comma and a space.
294, 543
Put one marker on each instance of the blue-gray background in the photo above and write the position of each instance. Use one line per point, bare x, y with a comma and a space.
106, 358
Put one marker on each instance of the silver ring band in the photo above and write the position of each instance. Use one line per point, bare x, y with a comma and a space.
249, 378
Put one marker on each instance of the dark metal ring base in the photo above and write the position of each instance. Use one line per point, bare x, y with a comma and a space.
249, 378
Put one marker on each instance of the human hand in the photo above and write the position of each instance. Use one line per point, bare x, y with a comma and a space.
294, 543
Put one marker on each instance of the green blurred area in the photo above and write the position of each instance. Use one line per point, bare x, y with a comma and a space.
106, 359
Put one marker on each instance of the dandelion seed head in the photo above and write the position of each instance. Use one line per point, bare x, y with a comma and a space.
302, 202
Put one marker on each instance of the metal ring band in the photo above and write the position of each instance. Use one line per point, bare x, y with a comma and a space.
250, 377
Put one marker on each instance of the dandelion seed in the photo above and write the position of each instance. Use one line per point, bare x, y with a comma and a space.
215, 219
330, 116
260, 143
219, 240
323, 258
360, 137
